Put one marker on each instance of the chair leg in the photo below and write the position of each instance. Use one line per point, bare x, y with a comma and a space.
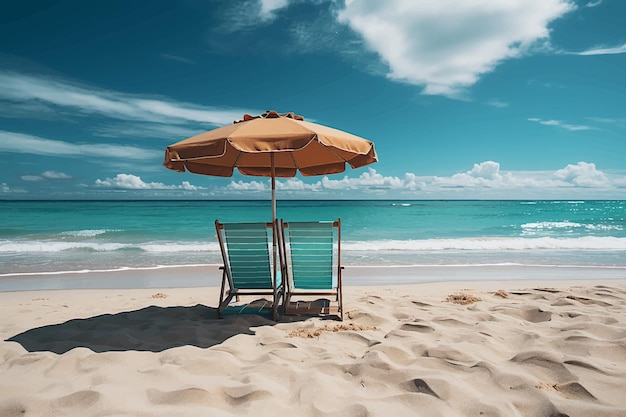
223, 305
224, 301
340, 300
277, 296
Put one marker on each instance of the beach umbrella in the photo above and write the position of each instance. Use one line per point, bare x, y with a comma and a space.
270, 145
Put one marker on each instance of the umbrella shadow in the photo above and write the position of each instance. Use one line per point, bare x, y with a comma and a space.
153, 329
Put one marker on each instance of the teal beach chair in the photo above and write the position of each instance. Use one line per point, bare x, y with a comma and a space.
249, 263
310, 255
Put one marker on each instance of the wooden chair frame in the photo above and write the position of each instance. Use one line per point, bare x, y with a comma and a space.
276, 289
289, 289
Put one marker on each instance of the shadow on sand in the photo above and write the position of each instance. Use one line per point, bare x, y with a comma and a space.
152, 329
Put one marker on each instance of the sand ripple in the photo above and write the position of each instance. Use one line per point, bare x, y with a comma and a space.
402, 351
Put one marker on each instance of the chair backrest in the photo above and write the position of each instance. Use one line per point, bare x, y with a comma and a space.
311, 251
246, 251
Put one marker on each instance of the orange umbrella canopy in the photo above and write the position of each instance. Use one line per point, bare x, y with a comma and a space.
254, 144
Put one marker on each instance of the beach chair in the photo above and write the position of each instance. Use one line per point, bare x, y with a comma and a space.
249, 263
311, 266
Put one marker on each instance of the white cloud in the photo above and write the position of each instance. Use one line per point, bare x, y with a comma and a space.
50, 175
88, 101
248, 186
488, 170
21, 143
6, 189
488, 176
31, 178
497, 103
269, 7
583, 174
133, 182
249, 14
54, 175
560, 124
447, 45
178, 58
483, 180
296, 184
593, 3
144, 130
368, 179
621, 49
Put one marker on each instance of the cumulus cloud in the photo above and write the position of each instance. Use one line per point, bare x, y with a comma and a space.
488, 170
296, 184
290, 184
134, 182
248, 186
7, 189
583, 174
488, 175
21, 143
368, 179
484, 180
446, 46
560, 124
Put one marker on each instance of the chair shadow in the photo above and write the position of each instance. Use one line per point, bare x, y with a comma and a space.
153, 329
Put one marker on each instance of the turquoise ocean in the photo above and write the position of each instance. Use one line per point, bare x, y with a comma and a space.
47, 237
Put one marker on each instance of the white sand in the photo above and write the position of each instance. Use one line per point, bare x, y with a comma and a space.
550, 348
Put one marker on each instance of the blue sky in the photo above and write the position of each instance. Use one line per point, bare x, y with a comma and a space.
522, 99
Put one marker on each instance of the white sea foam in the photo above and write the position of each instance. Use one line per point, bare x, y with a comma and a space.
465, 244
180, 247
490, 244
43, 246
120, 269
56, 246
542, 226
88, 232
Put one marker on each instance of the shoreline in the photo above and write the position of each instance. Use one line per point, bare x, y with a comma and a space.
210, 276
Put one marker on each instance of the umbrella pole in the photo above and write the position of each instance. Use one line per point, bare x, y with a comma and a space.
273, 173
274, 225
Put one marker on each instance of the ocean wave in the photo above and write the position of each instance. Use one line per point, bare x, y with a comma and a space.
89, 232
464, 244
490, 244
120, 269
49, 247
542, 226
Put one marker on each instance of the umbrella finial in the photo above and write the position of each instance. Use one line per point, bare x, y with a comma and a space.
293, 116
271, 114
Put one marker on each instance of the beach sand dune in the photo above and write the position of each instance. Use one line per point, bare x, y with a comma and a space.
449, 349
